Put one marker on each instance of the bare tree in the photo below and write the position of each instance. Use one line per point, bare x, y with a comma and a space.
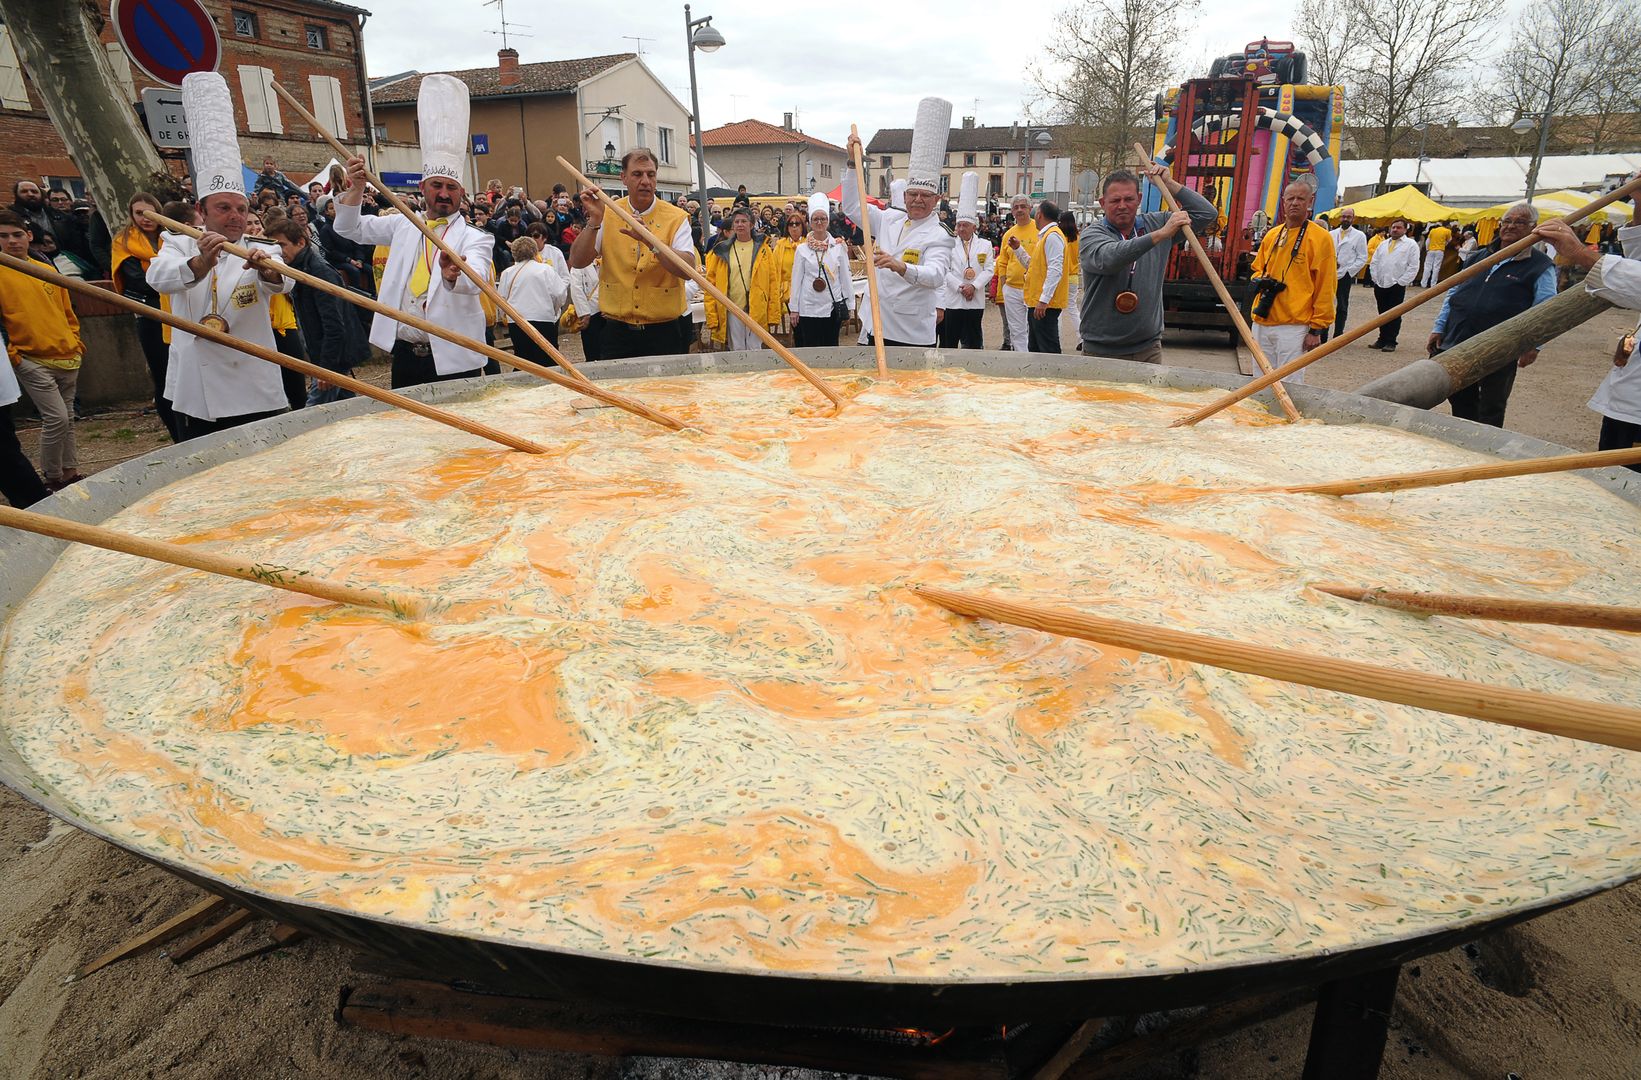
1406, 63
1613, 111
1320, 25
1106, 61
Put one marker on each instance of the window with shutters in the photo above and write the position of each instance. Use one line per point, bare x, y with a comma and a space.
13, 92
244, 23
121, 66
317, 39
261, 104
327, 104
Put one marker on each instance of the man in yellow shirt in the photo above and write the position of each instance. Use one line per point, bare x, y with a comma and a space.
745, 268
1294, 279
43, 340
1435, 249
1021, 236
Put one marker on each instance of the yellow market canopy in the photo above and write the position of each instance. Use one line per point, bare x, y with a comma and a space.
1405, 202
1552, 204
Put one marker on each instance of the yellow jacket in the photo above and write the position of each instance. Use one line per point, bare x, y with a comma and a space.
39, 319
786, 251
1008, 267
764, 303
1310, 273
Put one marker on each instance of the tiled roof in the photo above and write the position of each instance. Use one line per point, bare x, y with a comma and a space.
758, 133
899, 140
549, 77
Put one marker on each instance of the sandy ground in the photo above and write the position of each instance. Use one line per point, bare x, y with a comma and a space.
1558, 997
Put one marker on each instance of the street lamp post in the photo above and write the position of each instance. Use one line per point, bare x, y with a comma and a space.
1422, 128
1522, 127
700, 34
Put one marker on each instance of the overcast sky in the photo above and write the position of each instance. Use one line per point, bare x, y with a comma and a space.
807, 59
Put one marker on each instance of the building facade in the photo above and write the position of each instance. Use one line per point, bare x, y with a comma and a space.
773, 160
1009, 160
590, 111
313, 48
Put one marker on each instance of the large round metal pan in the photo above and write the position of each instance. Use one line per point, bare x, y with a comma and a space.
701, 990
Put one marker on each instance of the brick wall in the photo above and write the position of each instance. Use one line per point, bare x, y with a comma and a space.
280, 45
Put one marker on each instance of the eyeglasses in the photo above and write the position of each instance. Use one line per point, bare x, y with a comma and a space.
794, 221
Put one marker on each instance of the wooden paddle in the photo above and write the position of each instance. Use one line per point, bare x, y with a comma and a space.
868, 249
1502, 609
637, 408
199, 330
280, 577
663, 250
1333, 345
1464, 473
478, 279
1231, 307
1610, 725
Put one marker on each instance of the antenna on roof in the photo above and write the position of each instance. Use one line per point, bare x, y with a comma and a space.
640, 40
506, 27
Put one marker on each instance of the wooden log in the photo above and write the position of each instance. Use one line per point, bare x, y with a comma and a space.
867, 250
1327, 348
211, 935
480, 280
1599, 459
1501, 609
663, 251
280, 577
1231, 306
1570, 718
179, 924
206, 333
1428, 382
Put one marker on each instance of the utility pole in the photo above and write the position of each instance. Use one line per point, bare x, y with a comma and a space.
66, 63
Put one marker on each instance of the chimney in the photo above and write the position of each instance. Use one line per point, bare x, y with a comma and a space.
508, 60
787, 121
968, 123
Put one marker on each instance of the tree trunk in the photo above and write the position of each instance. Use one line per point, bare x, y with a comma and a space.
1425, 384
65, 60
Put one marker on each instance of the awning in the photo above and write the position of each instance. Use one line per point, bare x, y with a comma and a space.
1554, 204
1405, 202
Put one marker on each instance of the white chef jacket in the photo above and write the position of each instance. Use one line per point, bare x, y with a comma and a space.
452, 305
1398, 267
209, 381
925, 247
1619, 280
584, 290
1350, 251
981, 258
535, 289
807, 265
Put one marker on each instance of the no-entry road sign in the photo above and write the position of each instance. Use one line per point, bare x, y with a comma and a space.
167, 38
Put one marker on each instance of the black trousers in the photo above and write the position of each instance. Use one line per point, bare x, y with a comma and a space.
1620, 435
411, 368
960, 329
621, 341
1043, 335
157, 354
1484, 402
592, 338
1341, 306
19, 483
296, 384
525, 349
816, 332
192, 427
891, 343
1387, 299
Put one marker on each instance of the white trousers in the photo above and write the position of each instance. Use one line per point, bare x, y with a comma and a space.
1014, 313
1432, 268
1281, 344
741, 336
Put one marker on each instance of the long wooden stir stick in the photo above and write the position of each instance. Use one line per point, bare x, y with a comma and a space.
1335, 344
1500, 608
358, 386
1465, 473
869, 249
663, 249
478, 279
593, 390
1610, 725
280, 577
1231, 307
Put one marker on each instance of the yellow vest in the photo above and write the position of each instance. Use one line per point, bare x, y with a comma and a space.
281, 313
1013, 274
1037, 273
633, 284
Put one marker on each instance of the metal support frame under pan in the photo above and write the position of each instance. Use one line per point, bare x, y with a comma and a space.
709, 992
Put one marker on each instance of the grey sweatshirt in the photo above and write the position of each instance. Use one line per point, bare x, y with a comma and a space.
1106, 257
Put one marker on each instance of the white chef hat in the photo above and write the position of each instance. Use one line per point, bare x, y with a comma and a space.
929, 134
820, 204
211, 133
897, 194
968, 198
442, 113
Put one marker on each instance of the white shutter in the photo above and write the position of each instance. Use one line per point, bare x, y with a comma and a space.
338, 107
272, 101
327, 104
256, 104
13, 92
120, 63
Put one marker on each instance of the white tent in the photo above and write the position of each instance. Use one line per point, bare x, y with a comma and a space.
1490, 180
